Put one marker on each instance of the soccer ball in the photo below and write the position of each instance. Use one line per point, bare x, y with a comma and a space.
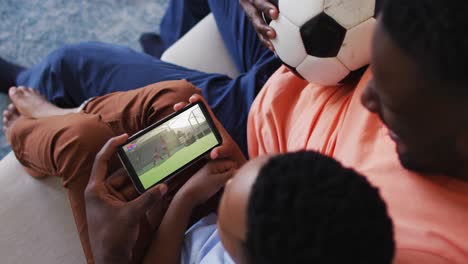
324, 41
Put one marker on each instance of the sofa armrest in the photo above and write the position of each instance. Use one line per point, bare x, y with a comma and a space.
193, 51
37, 225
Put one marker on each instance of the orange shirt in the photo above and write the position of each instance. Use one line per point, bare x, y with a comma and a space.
430, 213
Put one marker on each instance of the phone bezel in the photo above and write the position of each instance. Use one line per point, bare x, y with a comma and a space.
128, 165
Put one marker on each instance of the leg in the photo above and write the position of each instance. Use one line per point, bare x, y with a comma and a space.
64, 146
131, 111
69, 143
241, 39
75, 73
239, 35
180, 16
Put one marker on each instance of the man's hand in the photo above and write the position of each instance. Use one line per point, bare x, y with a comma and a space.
113, 224
229, 149
206, 182
254, 9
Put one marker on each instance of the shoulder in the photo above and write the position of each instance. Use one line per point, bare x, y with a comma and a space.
202, 243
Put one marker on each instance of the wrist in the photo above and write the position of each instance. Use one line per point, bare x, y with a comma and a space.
186, 199
108, 258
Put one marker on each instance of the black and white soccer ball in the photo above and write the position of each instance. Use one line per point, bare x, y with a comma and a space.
324, 41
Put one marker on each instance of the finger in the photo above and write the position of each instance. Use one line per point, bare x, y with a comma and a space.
99, 171
195, 98
129, 192
142, 204
179, 106
266, 42
119, 179
229, 147
255, 17
221, 152
228, 165
267, 7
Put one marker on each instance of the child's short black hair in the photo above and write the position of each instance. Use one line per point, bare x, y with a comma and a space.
306, 208
433, 33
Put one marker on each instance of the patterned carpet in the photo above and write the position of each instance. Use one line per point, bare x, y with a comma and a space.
30, 29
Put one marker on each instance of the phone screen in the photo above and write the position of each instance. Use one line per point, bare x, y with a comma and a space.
170, 145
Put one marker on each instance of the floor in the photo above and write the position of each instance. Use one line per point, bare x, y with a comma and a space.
30, 29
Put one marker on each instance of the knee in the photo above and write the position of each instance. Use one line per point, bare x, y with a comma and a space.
159, 98
182, 91
81, 138
168, 93
174, 92
71, 54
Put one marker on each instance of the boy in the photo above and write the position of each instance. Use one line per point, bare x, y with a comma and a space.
292, 208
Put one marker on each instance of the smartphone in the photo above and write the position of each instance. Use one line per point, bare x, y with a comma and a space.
164, 149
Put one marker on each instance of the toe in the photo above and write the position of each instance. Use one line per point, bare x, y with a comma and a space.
14, 110
16, 92
11, 107
12, 90
21, 90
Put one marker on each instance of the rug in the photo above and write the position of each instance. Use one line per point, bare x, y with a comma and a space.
30, 29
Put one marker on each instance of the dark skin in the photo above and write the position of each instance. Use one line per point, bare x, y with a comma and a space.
113, 223
108, 249
106, 212
254, 9
225, 160
427, 126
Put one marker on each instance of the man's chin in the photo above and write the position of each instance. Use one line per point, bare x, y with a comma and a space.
416, 165
408, 164
407, 160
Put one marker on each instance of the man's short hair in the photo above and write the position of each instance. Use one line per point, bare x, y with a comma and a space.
307, 208
434, 34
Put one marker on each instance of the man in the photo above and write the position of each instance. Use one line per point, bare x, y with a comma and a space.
72, 74
322, 211
417, 97
429, 211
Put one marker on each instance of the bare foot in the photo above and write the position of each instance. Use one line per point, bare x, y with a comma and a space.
10, 115
30, 103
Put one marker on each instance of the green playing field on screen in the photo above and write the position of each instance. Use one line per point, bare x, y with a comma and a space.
170, 146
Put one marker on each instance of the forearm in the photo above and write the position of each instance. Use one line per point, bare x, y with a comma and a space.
167, 243
111, 259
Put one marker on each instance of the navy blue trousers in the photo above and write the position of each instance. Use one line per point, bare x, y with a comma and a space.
74, 73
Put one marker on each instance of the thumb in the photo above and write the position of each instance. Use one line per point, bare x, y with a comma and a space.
142, 204
224, 177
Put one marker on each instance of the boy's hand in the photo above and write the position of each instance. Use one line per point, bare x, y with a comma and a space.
113, 224
229, 149
207, 182
254, 9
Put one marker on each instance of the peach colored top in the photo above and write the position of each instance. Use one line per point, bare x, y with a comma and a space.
430, 213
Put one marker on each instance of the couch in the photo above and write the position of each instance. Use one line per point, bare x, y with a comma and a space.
37, 225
